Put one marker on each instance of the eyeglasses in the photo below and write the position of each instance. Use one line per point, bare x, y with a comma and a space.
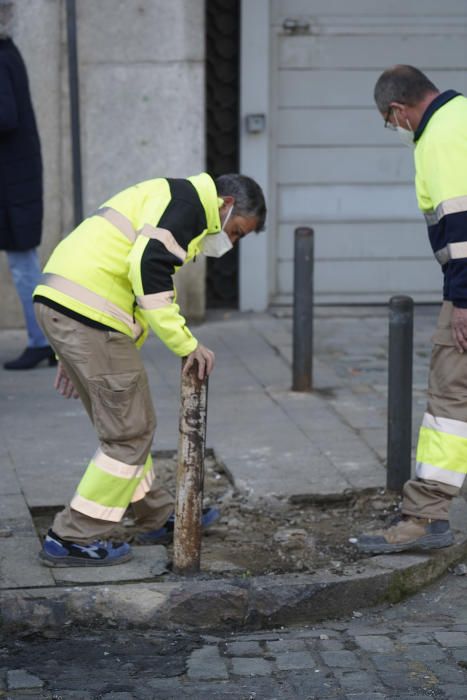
387, 123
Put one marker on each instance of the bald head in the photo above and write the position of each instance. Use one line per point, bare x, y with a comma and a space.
404, 85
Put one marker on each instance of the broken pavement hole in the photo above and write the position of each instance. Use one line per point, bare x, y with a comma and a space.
267, 535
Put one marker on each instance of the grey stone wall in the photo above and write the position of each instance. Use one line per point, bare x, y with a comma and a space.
141, 68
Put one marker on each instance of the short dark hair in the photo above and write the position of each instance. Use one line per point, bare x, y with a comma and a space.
249, 197
404, 84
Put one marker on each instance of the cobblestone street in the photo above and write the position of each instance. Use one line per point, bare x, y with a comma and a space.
417, 649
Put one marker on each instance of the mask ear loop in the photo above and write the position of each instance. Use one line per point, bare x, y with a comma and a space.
227, 217
406, 121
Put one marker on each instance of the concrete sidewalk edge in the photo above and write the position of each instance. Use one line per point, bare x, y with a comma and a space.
228, 604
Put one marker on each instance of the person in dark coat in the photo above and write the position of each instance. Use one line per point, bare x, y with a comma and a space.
21, 196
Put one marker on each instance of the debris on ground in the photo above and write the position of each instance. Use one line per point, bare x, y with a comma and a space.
272, 535
269, 535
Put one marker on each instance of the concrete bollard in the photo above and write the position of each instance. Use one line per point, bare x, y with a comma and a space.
399, 436
302, 363
190, 473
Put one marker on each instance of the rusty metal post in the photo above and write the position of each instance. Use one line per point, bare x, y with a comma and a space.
190, 473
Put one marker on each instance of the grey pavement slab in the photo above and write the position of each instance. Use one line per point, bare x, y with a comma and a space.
374, 643
10, 482
244, 666
244, 648
14, 514
282, 646
148, 563
19, 679
295, 660
20, 566
207, 663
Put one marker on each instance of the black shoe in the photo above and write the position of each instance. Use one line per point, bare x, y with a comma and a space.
31, 357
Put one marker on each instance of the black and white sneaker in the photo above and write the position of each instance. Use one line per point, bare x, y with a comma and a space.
58, 552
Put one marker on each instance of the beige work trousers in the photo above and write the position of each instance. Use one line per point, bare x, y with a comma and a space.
106, 370
447, 398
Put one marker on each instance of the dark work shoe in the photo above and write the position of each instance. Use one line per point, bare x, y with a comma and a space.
58, 552
408, 533
31, 357
165, 534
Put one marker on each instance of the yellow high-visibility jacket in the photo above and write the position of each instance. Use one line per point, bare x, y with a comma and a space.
116, 267
441, 185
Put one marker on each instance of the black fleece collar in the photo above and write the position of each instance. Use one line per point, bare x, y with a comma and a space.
432, 108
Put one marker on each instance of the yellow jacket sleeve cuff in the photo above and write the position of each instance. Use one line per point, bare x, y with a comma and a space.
170, 327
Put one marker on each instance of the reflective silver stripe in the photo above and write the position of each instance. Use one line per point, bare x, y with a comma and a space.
96, 510
453, 251
457, 250
117, 468
430, 218
164, 236
125, 226
442, 255
445, 425
433, 473
119, 220
95, 301
155, 301
456, 205
144, 486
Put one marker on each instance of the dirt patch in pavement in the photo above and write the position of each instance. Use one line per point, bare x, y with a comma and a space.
271, 535
274, 536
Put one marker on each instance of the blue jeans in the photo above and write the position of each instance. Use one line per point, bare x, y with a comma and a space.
26, 272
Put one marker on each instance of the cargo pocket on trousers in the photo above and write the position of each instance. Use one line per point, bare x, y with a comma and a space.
448, 370
121, 406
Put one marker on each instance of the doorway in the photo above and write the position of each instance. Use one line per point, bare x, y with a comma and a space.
222, 126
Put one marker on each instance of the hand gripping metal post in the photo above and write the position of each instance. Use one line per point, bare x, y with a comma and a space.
302, 370
399, 437
190, 472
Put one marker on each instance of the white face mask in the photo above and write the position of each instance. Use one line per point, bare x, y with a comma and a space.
405, 135
217, 244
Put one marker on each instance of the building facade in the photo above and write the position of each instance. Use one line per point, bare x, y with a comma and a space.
309, 68
308, 130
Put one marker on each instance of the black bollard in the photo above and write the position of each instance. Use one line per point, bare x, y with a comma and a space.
399, 445
302, 370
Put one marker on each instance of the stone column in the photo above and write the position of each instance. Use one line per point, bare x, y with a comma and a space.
142, 98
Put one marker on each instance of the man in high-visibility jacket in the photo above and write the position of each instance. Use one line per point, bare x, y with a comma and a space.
435, 125
104, 285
